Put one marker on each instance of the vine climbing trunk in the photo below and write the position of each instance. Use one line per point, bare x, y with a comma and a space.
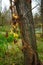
26, 24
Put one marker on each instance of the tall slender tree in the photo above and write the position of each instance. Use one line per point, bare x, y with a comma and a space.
42, 15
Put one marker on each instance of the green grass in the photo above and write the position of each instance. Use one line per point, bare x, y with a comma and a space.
7, 42
10, 53
40, 47
5, 28
40, 50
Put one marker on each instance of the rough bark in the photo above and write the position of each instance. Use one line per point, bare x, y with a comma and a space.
27, 32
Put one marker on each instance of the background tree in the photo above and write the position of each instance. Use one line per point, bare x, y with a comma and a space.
0, 18
5, 17
42, 15
37, 20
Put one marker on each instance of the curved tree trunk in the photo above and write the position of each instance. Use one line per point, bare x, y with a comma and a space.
27, 32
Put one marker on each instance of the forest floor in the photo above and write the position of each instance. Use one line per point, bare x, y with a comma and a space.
3, 32
40, 46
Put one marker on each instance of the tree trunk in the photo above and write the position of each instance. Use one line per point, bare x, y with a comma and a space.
42, 15
27, 32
